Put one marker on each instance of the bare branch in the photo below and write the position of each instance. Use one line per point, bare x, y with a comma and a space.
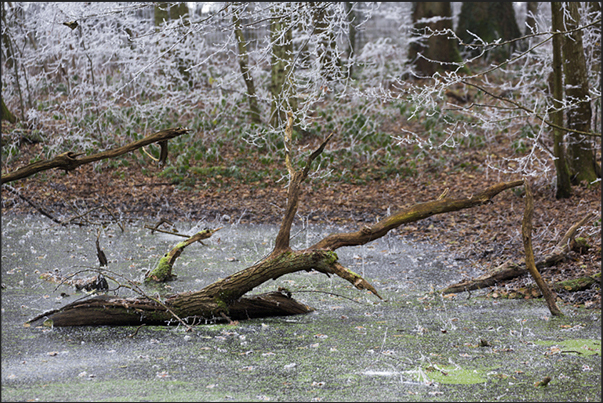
518, 105
68, 160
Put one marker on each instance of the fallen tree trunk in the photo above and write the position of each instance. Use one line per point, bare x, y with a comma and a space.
69, 160
510, 269
225, 297
115, 311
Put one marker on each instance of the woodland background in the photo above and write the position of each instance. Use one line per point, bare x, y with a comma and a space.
422, 99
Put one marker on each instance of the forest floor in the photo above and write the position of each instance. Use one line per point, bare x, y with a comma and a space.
485, 236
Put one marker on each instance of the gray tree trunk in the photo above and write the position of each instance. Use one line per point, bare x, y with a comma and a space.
489, 21
283, 99
254, 110
580, 148
437, 47
564, 187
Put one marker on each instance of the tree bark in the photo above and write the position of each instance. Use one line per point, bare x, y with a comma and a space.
164, 12
107, 310
438, 53
581, 154
564, 186
283, 99
489, 21
69, 161
5, 113
351, 18
327, 56
254, 110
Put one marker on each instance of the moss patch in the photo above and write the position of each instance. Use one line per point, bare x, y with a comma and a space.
453, 375
583, 347
162, 271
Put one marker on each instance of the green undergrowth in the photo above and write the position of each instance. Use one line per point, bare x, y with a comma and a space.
226, 152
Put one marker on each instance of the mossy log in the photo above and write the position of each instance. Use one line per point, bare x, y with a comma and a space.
577, 284
106, 310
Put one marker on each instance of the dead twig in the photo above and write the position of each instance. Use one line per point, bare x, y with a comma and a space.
136, 331
31, 203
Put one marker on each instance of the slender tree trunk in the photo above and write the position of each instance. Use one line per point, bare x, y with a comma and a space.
327, 56
351, 17
564, 187
580, 149
283, 99
438, 52
254, 110
166, 11
11, 61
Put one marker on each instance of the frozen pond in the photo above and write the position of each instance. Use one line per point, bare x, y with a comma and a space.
414, 345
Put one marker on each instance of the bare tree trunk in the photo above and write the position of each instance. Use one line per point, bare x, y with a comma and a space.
564, 187
11, 60
283, 99
244, 64
489, 21
351, 17
326, 45
438, 48
166, 11
580, 149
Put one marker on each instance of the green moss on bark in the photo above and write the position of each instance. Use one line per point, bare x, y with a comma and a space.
162, 272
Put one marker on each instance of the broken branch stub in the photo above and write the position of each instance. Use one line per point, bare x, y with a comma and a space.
163, 271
